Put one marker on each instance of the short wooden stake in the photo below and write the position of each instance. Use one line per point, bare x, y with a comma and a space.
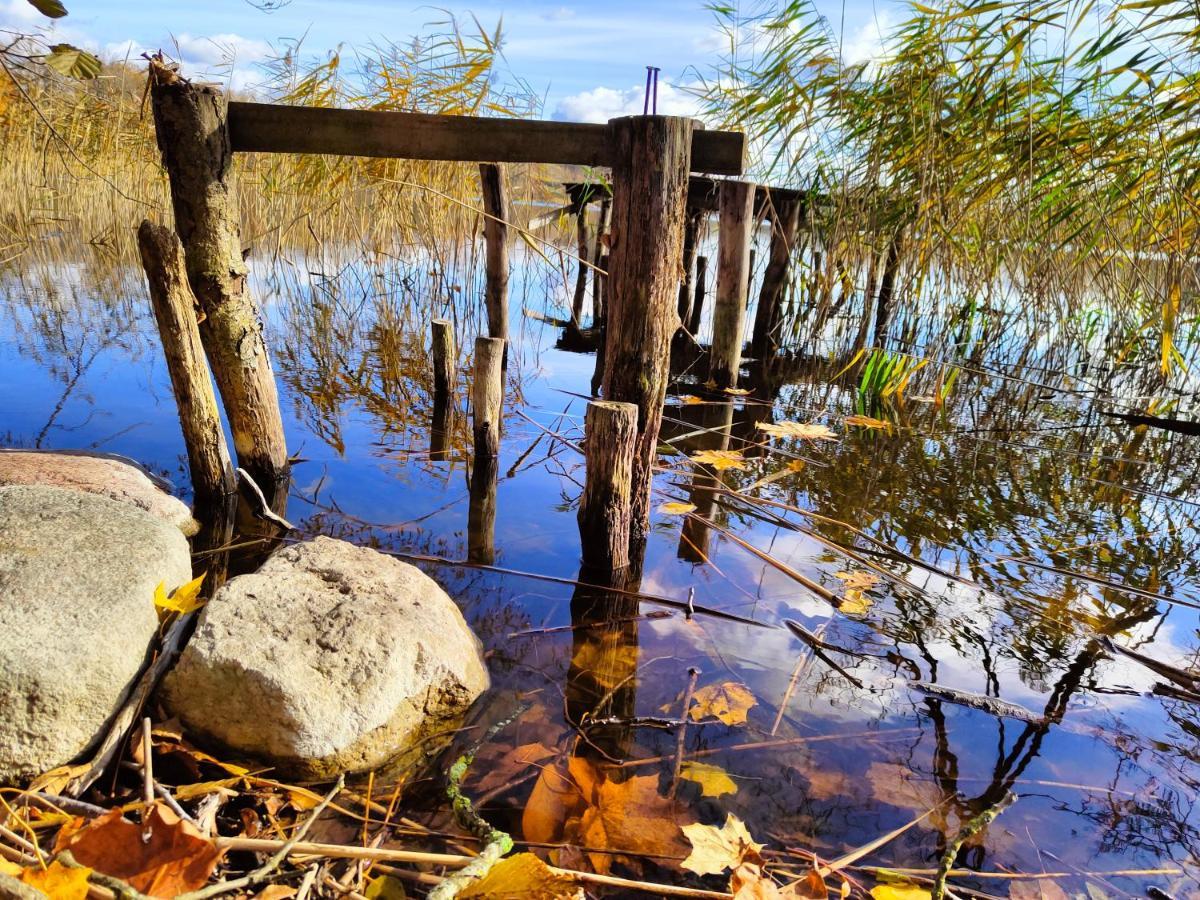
733, 278
175, 311
698, 295
495, 236
445, 358
605, 513
191, 124
487, 396
768, 318
651, 162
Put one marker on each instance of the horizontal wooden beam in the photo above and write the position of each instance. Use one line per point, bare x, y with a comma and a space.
272, 128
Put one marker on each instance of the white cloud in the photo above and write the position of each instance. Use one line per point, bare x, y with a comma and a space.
869, 44
603, 103
228, 58
19, 15
560, 14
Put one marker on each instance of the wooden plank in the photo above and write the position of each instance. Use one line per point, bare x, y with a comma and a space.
274, 128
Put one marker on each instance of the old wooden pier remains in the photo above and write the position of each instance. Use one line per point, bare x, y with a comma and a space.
644, 294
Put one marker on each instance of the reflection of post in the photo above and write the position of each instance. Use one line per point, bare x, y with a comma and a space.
601, 691
487, 395
481, 517
441, 429
604, 508
694, 534
733, 280
495, 235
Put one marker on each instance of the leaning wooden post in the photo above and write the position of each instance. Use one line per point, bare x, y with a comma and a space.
174, 306
768, 318
487, 396
445, 358
651, 158
733, 279
495, 236
191, 124
604, 509
698, 295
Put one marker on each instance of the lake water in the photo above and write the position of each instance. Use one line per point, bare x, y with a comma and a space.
992, 548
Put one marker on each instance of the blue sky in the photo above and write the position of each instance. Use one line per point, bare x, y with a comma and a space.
588, 58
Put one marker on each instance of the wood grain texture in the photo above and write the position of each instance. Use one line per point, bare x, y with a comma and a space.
768, 317
445, 358
495, 236
487, 396
733, 278
605, 510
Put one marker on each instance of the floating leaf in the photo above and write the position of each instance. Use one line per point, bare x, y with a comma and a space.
808, 431
897, 785
51, 9
519, 877
720, 459
689, 399
867, 422
676, 508
184, 599
728, 701
56, 881
856, 602
737, 392
713, 780
176, 859
72, 62
899, 892
714, 850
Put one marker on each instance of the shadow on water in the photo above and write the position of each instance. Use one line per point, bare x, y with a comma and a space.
983, 552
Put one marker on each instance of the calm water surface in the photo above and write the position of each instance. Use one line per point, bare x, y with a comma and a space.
1003, 541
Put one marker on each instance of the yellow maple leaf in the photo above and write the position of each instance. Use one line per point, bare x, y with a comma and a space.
807, 431
728, 701
56, 881
677, 508
737, 392
713, 780
522, 876
715, 850
720, 459
899, 892
867, 422
183, 600
856, 602
689, 399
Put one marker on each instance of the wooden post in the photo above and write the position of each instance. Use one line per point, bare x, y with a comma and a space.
604, 508
690, 234
581, 274
487, 396
445, 358
190, 122
597, 262
698, 295
495, 236
174, 307
768, 318
733, 265
651, 161
887, 286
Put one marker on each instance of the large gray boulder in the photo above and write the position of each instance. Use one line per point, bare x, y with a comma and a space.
77, 579
330, 658
103, 475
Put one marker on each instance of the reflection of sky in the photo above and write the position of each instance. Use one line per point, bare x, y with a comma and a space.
385, 490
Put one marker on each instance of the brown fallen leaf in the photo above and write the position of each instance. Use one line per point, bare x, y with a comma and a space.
176, 859
867, 422
748, 883
504, 768
806, 431
522, 877
714, 850
896, 785
56, 881
811, 886
1039, 889
280, 892
728, 701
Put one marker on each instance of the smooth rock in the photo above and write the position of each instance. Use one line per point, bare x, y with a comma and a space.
97, 475
77, 579
330, 658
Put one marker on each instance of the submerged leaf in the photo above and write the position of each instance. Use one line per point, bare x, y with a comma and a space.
728, 701
713, 780
714, 850
522, 876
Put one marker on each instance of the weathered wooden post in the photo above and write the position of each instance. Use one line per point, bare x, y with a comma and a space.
733, 274
581, 273
445, 358
174, 307
651, 159
698, 294
495, 236
487, 396
604, 509
768, 318
191, 124
597, 262
690, 236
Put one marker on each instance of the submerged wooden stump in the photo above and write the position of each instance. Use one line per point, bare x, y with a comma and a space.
652, 158
191, 126
605, 510
487, 396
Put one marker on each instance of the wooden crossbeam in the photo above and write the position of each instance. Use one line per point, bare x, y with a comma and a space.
272, 128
